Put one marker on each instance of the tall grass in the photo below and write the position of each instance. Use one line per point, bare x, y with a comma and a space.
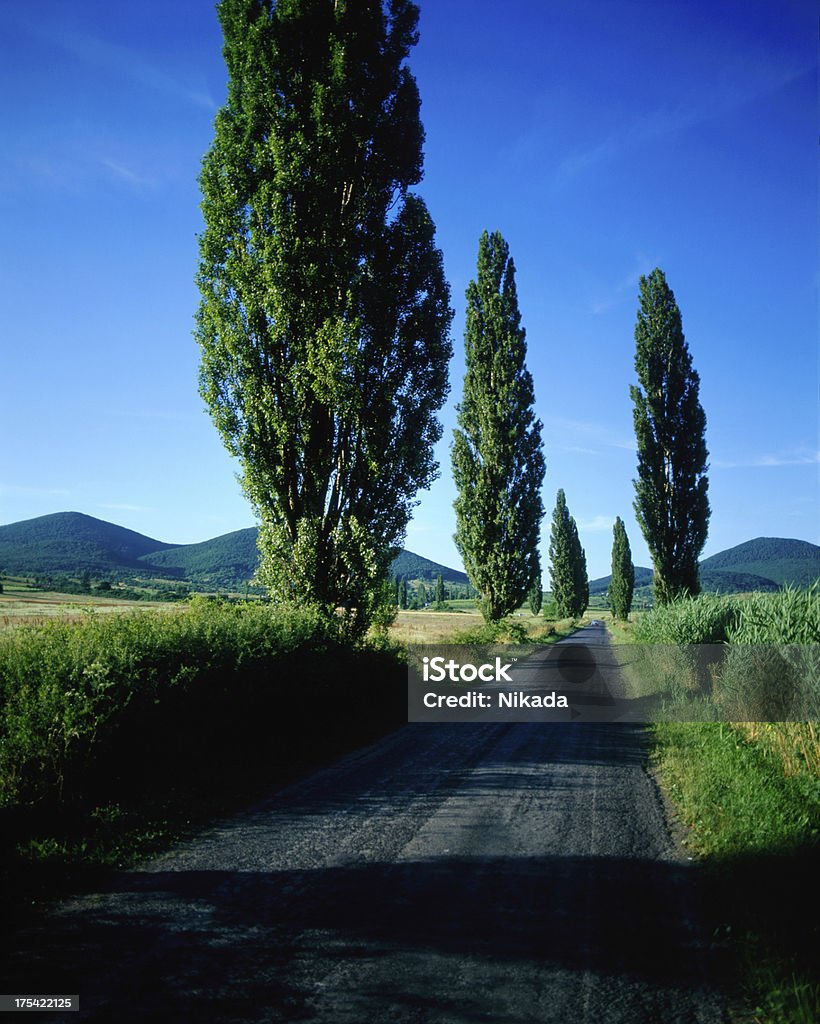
750, 788
706, 619
789, 616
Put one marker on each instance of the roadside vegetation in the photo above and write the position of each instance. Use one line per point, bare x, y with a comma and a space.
122, 732
118, 732
750, 790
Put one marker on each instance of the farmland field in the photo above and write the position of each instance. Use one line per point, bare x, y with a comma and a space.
22, 604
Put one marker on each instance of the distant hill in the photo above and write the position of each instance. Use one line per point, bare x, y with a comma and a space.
643, 577
223, 563
70, 543
778, 559
766, 563
414, 567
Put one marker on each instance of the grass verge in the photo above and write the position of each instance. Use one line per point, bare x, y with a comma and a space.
755, 831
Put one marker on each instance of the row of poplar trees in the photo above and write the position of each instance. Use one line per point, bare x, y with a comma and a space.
324, 329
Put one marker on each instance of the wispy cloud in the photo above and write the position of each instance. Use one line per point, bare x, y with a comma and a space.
625, 288
574, 449
798, 457
598, 524
740, 85
119, 60
127, 175
646, 128
582, 434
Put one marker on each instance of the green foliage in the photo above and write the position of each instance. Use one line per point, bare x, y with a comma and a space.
770, 670
439, 590
728, 581
568, 567
671, 504
622, 582
503, 631
643, 578
498, 464
730, 794
789, 617
535, 597
755, 831
96, 710
756, 825
706, 619
324, 318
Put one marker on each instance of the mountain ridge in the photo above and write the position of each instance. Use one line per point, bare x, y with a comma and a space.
764, 563
69, 543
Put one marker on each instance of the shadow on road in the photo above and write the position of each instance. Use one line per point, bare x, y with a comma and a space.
267, 936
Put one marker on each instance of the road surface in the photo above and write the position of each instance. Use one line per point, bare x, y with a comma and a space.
516, 873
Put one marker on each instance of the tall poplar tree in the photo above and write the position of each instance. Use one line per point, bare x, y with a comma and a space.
622, 581
498, 462
324, 320
671, 504
568, 564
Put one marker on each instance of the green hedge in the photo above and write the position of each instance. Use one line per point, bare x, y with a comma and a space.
122, 704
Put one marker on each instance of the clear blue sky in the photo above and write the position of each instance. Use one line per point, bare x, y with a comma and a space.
601, 137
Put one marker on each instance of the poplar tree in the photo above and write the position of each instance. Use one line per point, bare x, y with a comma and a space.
535, 597
324, 319
498, 462
622, 581
671, 504
568, 565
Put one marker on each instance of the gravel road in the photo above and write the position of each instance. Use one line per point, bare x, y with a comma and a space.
518, 873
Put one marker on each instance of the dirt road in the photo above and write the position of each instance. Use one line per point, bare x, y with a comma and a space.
512, 873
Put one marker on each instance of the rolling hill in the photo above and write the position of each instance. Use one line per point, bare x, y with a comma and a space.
414, 567
70, 543
643, 577
765, 563
225, 562
774, 558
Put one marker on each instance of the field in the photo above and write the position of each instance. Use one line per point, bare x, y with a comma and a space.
22, 604
435, 627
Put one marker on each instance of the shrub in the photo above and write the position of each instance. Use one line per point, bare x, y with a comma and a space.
117, 703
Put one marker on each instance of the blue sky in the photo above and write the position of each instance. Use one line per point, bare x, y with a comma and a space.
601, 137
